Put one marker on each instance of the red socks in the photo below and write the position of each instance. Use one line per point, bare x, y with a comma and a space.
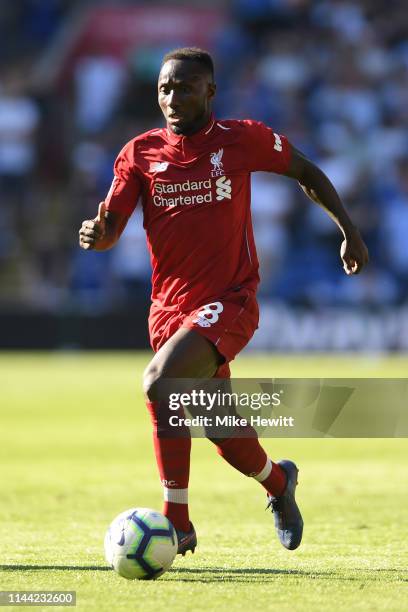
173, 462
248, 457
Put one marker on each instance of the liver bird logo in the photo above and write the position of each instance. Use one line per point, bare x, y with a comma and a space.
215, 159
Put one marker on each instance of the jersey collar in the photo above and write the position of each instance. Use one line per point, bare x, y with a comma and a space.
195, 138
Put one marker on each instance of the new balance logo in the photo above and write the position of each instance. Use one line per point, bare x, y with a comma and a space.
202, 321
278, 143
224, 188
158, 166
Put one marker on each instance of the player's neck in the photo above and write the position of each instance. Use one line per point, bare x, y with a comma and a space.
197, 127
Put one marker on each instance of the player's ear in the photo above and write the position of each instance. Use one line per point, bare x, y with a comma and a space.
212, 88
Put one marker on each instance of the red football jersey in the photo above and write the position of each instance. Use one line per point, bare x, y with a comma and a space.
195, 192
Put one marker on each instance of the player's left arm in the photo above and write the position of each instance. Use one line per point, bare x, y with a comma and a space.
318, 188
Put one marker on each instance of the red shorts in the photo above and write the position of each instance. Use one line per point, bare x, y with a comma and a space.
229, 323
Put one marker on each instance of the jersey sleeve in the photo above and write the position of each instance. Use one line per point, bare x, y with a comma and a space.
265, 150
126, 186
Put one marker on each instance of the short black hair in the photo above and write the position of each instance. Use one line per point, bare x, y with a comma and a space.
192, 54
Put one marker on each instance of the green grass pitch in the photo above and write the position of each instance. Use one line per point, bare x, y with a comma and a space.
75, 450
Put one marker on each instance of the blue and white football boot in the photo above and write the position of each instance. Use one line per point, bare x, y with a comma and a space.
288, 520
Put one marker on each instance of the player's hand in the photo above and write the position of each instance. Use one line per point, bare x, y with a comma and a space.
353, 252
93, 230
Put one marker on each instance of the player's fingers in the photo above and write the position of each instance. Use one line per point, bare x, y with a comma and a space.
88, 224
100, 217
91, 228
87, 239
94, 233
86, 245
354, 266
349, 265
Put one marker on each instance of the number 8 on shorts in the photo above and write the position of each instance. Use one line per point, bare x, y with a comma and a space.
209, 314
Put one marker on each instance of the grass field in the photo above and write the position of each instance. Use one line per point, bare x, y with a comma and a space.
75, 451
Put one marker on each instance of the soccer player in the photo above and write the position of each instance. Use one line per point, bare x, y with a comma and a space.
193, 180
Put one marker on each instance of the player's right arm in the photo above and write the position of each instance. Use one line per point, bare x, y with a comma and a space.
103, 232
317, 186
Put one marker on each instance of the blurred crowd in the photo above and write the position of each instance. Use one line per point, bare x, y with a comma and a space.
332, 75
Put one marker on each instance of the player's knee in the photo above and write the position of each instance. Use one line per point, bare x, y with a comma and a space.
217, 441
152, 382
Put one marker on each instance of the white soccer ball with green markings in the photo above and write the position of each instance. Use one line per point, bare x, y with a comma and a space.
140, 544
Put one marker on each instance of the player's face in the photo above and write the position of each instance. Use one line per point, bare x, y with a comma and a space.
185, 93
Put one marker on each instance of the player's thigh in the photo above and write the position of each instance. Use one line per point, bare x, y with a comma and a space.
187, 354
228, 324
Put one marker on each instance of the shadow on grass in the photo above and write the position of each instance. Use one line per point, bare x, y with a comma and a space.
222, 574
66, 568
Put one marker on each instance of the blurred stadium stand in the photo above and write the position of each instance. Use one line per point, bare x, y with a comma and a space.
78, 80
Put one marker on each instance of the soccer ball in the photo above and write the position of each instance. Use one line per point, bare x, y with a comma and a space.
140, 544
